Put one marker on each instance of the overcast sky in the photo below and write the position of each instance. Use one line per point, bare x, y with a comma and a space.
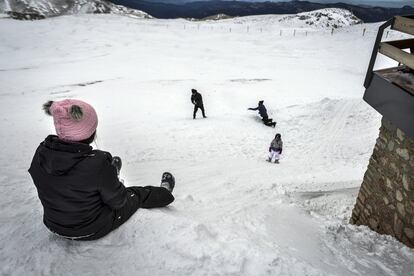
397, 3
387, 3
394, 3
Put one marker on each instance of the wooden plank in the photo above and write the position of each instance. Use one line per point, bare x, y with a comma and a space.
404, 24
402, 44
397, 54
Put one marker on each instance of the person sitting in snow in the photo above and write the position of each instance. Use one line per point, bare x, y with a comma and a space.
275, 149
263, 113
197, 101
79, 188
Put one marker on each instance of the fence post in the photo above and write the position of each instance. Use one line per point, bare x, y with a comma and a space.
363, 32
230, 30
332, 31
294, 32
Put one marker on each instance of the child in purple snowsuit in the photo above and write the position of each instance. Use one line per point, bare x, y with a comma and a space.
275, 149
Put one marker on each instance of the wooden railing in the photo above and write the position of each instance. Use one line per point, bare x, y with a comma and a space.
395, 49
403, 24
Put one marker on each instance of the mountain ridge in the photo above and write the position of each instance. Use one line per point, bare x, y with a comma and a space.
27, 9
203, 9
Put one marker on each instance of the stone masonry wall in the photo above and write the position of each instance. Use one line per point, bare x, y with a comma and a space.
385, 201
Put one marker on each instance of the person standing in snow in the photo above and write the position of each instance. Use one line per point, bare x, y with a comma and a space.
79, 188
263, 113
197, 101
275, 149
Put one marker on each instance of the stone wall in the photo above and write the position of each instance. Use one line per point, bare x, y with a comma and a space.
385, 201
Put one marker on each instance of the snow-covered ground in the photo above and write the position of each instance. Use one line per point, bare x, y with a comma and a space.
234, 213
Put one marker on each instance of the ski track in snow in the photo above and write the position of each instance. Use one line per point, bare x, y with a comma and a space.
234, 213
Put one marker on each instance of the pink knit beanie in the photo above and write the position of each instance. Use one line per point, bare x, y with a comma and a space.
74, 120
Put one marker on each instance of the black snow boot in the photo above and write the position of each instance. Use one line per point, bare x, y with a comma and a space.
168, 181
117, 163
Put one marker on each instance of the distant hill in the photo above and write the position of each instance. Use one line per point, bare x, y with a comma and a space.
325, 18
217, 17
205, 9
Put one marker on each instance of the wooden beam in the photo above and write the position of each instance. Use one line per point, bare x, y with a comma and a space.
397, 54
402, 44
403, 24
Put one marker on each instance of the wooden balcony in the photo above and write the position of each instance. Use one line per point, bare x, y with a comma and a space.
391, 91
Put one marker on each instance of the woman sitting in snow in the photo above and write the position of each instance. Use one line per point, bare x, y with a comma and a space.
79, 188
275, 149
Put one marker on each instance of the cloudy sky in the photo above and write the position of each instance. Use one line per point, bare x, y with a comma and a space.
396, 3
387, 3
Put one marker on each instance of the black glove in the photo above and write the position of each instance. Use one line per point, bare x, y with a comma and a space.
117, 163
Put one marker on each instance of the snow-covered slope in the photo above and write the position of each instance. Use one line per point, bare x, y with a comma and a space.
325, 18
234, 213
60, 7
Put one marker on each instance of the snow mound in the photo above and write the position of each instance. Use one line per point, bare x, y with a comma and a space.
324, 18
28, 9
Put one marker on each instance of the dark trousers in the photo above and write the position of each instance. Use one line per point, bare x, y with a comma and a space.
196, 107
267, 121
137, 197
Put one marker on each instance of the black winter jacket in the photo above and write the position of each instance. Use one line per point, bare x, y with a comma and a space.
78, 187
262, 110
197, 99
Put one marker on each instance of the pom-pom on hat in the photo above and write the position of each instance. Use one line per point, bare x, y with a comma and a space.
74, 120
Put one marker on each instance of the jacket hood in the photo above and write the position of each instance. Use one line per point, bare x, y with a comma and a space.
57, 157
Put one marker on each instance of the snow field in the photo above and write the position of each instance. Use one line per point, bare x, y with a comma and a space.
234, 213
